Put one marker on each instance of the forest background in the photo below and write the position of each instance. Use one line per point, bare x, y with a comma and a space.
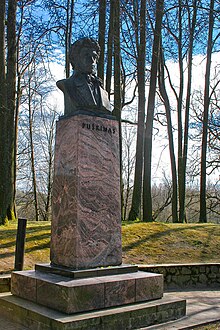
159, 63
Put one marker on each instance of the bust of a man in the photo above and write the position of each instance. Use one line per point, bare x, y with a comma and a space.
83, 91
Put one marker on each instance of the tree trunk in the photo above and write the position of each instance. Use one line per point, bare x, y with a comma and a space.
68, 34
3, 130
203, 212
117, 61
102, 27
110, 50
179, 119
34, 182
11, 90
138, 176
50, 168
117, 81
147, 200
166, 102
18, 96
183, 147
32, 156
7, 105
2, 52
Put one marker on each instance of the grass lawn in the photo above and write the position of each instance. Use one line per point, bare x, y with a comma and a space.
160, 243
36, 246
143, 243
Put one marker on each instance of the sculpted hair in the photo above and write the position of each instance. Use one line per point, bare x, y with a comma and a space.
78, 45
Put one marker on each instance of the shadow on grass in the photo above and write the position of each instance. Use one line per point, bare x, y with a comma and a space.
28, 239
27, 250
162, 234
38, 228
129, 246
11, 233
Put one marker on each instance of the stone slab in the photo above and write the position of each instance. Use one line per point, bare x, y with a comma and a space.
67, 272
129, 317
79, 295
86, 211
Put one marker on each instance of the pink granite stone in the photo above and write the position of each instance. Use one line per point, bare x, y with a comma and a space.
148, 286
119, 292
23, 284
71, 296
86, 224
92, 293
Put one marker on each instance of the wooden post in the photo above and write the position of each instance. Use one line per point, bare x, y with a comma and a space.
20, 242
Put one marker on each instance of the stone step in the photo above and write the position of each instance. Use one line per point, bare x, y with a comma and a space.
128, 317
70, 295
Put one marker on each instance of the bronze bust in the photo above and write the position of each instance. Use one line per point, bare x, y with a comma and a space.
83, 91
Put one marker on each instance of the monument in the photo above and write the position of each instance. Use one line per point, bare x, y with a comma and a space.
86, 229
86, 274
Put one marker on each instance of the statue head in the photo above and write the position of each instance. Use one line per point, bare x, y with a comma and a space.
84, 55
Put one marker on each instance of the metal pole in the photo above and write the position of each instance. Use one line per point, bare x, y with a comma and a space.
20, 243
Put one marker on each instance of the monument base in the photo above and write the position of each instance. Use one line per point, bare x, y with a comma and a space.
111, 298
130, 317
86, 290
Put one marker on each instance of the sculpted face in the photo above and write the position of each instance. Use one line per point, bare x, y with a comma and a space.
87, 60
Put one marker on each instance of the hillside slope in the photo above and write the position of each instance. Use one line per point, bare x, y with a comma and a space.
143, 243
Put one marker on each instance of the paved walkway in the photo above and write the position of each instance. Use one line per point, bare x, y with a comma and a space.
202, 307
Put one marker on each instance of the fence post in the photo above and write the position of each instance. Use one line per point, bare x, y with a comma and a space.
20, 242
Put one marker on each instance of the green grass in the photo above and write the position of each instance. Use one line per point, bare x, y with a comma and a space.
143, 243
171, 243
36, 245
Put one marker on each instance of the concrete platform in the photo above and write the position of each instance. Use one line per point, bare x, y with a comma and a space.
34, 317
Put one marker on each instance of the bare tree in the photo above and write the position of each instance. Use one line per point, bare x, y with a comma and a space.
140, 38
165, 98
147, 200
101, 39
61, 16
36, 84
128, 162
203, 215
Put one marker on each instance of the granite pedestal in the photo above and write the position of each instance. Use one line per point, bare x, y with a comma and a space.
86, 226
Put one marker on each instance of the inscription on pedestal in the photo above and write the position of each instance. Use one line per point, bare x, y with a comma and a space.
86, 225
100, 128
